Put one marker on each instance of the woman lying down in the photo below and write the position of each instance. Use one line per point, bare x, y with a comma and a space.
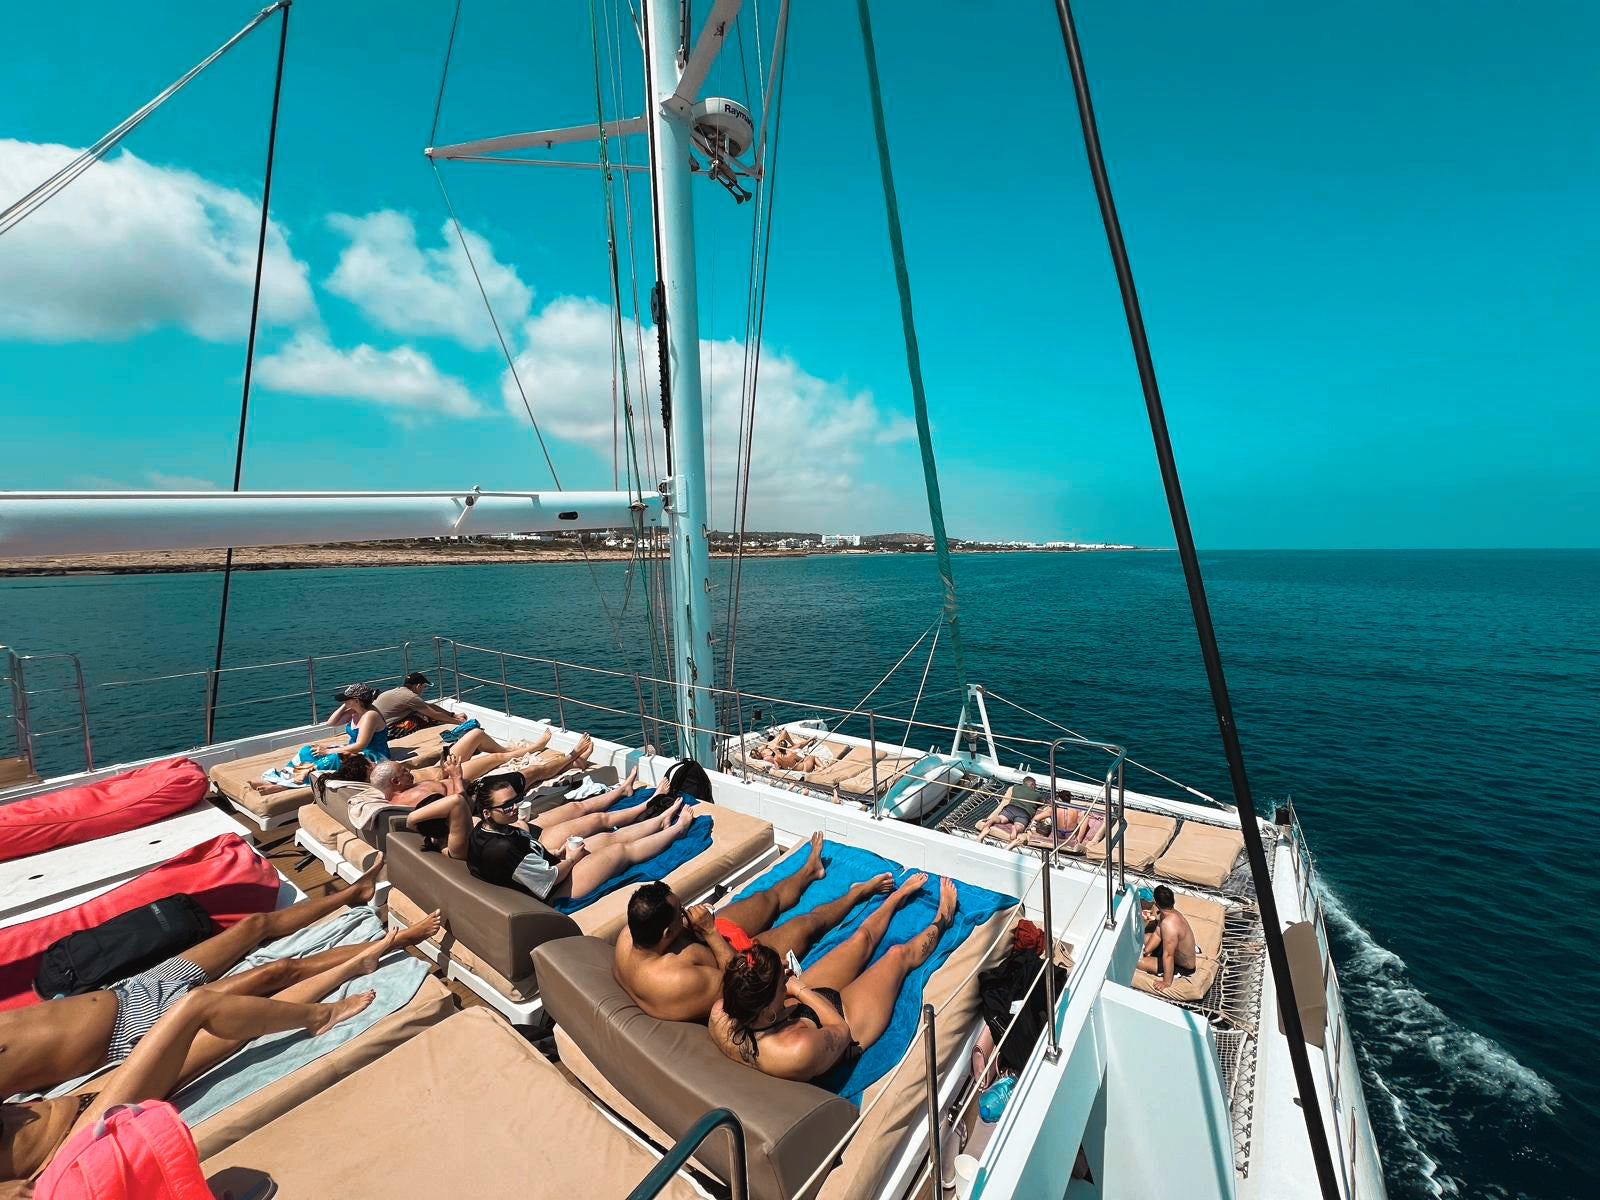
800, 1028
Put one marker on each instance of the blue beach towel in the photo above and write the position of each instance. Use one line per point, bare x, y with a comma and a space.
847, 865
694, 841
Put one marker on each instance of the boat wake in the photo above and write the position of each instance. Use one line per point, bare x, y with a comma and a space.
1430, 1070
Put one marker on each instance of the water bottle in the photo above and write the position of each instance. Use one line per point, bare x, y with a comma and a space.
993, 1101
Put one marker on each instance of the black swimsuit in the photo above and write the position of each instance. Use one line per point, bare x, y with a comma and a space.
804, 1012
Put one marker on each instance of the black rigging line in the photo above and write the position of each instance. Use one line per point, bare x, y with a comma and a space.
449, 49
249, 366
1288, 1008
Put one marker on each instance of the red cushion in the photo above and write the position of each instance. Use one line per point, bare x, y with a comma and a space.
226, 875
81, 814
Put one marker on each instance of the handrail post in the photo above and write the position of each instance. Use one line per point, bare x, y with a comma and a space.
1052, 1051
561, 705
872, 738
935, 1151
438, 660
661, 1174
206, 692
1122, 845
455, 665
83, 714
311, 686
22, 706
405, 661
505, 687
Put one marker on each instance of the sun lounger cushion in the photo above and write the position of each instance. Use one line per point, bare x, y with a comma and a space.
737, 839
451, 950
322, 828
500, 925
887, 771
227, 877
237, 779
847, 866
1145, 836
432, 1004
1206, 918
81, 814
674, 1074
516, 1129
1202, 854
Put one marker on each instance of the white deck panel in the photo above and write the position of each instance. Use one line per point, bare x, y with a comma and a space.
28, 885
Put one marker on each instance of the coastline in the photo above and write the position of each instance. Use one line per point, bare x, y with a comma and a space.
293, 558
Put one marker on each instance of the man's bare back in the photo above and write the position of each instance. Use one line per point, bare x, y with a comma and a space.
1169, 946
679, 983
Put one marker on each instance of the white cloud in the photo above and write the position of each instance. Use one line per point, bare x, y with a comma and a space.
131, 247
403, 378
179, 483
818, 447
424, 292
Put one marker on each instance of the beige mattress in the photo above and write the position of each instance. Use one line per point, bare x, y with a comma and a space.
432, 1004
236, 780
327, 831
1206, 919
1202, 854
467, 1108
736, 839
1145, 837
886, 772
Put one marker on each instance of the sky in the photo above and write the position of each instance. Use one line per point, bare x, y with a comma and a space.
1363, 236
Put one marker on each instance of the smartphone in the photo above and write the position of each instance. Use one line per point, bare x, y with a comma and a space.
794, 964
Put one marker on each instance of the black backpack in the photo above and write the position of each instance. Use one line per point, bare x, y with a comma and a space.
123, 946
686, 778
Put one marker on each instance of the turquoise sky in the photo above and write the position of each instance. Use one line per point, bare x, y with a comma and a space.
1363, 235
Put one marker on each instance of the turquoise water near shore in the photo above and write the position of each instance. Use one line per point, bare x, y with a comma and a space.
1433, 715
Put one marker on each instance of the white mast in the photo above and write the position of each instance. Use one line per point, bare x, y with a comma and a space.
671, 115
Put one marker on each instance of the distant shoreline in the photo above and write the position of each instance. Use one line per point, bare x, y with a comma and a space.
303, 558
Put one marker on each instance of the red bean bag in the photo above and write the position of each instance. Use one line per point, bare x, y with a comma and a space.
226, 875
81, 814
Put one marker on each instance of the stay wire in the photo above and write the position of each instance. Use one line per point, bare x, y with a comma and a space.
24, 207
249, 365
449, 50
1272, 929
500, 336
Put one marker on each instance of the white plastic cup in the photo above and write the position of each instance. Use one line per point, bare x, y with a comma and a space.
574, 844
966, 1175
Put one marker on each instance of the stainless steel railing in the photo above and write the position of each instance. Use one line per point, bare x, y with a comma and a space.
675, 1159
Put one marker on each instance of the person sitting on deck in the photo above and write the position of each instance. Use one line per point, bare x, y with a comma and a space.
405, 710
191, 1035
800, 1028
1169, 946
48, 1043
1072, 823
1009, 820
670, 959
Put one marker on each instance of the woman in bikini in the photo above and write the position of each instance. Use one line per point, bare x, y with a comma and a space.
200, 1030
798, 1028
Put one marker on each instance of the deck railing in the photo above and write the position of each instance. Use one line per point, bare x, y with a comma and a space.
661, 1174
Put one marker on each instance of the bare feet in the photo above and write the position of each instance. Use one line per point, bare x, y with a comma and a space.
414, 935
910, 887
814, 870
538, 743
367, 961
947, 903
365, 887
684, 818
329, 1015
878, 885
581, 752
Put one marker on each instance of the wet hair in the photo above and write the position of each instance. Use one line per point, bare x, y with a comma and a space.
482, 790
650, 911
749, 982
356, 768
1164, 897
414, 678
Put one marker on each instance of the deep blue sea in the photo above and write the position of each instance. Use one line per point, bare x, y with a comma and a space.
1433, 715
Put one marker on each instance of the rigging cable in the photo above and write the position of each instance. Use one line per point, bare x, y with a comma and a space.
249, 363
1272, 929
930, 471
53, 186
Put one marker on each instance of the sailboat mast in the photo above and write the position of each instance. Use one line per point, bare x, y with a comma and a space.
670, 118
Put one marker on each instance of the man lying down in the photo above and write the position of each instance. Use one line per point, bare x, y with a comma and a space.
690, 965
572, 850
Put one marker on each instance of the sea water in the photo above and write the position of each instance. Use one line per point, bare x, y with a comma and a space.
1432, 714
